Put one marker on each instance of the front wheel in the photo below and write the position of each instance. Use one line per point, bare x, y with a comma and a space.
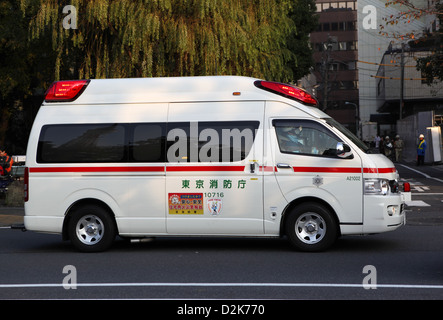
91, 229
311, 227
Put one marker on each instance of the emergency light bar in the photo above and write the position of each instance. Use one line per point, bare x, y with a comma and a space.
65, 91
287, 91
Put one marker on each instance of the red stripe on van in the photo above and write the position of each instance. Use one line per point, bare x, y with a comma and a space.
205, 168
267, 168
327, 169
387, 170
138, 169
342, 170
97, 169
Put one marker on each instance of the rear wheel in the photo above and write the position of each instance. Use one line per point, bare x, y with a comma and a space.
311, 227
91, 229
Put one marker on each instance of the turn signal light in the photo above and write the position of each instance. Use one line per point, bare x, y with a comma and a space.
65, 91
406, 187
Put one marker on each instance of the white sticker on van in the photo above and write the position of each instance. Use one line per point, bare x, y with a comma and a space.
214, 206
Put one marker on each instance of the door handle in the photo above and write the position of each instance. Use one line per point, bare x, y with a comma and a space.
252, 166
283, 166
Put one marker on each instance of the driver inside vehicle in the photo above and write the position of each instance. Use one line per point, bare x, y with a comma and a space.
291, 140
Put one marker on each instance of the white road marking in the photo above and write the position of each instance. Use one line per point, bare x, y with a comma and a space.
424, 174
198, 284
417, 203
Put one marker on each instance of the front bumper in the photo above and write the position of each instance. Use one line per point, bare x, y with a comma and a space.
384, 213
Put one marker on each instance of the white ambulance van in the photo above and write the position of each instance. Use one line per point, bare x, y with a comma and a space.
201, 156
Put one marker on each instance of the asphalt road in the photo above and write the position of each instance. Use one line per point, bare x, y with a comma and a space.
406, 264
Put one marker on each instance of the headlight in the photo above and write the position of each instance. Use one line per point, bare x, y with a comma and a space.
376, 186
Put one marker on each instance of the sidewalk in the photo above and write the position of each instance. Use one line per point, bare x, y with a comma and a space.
11, 215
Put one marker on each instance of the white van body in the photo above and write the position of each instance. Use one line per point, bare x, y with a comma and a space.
252, 195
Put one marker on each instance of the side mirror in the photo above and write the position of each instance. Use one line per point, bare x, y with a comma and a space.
344, 151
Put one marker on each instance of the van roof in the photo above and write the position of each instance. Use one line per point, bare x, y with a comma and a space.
178, 89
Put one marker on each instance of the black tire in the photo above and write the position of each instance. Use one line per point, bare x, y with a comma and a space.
311, 227
91, 229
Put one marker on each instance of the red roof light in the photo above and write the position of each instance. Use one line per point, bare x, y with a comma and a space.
65, 91
287, 91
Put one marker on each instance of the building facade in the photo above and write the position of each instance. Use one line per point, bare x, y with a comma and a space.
350, 46
335, 44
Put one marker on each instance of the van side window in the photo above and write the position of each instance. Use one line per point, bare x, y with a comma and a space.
81, 143
221, 141
305, 137
148, 142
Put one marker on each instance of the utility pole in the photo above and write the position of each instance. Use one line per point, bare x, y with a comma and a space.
357, 118
325, 76
326, 62
402, 79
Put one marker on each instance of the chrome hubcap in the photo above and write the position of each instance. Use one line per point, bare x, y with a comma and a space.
310, 228
89, 229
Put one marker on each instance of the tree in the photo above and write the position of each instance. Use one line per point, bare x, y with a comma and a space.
303, 13
25, 69
432, 65
131, 38
14, 57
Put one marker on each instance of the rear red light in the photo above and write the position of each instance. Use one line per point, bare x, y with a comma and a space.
287, 91
26, 184
406, 187
65, 91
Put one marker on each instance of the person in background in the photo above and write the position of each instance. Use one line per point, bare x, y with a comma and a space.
388, 147
398, 147
381, 146
6, 162
377, 141
421, 149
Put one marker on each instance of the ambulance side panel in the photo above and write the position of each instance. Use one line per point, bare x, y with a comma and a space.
134, 192
308, 175
232, 192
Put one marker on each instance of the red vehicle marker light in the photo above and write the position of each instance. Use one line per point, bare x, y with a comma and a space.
65, 91
287, 91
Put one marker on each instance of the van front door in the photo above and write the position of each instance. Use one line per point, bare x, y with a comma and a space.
214, 184
307, 165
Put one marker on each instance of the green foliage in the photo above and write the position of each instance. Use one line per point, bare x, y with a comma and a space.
12, 50
305, 19
131, 38
266, 39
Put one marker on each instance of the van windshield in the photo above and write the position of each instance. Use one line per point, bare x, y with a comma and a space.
348, 134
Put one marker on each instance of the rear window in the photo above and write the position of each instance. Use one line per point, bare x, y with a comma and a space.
92, 143
81, 143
